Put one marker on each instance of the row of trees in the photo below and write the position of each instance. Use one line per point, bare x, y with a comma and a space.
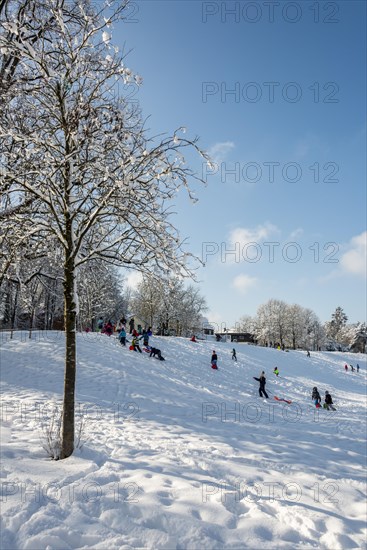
297, 327
37, 302
32, 298
291, 325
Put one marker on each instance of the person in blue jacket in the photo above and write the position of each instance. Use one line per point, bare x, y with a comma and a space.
122, 337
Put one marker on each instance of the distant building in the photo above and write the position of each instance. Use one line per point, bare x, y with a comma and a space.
245, 337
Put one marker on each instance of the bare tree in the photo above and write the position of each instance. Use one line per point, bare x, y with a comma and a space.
82, 154
272, 321
167, 302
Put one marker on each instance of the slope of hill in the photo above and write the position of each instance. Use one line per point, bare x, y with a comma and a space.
178, 456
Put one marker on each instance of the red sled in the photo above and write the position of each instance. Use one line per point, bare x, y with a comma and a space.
131, 348
280, 399
214, 366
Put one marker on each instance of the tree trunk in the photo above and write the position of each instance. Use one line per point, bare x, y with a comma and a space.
68, 428
31, 322
15, 307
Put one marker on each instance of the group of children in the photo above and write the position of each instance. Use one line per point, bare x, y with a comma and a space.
351, 367
316, 398
328, 403
136, 337
105, 328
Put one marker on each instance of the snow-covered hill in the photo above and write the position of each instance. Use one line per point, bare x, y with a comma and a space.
178, 456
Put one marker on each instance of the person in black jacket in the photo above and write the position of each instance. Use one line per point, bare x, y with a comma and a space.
214, 360
316, 397
156, 352
262, 381
328, 402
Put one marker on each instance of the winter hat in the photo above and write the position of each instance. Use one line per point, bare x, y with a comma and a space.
326, 393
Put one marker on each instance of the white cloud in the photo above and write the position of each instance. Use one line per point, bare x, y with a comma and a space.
219, 151
295, 234
354, 260
243, 235
243, 283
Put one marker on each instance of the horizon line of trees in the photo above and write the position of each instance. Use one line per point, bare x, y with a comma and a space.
294, 326
36, 303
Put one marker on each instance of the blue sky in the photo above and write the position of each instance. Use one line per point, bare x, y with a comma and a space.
276, 93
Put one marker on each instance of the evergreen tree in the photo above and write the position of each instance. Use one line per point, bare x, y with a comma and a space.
337, 323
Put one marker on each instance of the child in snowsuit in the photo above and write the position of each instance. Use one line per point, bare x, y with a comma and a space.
316, 397
346, 367
135, 344
214, 360
122, 337
328, 402
234, 356
156, 351
108, 328
145, 338
262, 381
276, 371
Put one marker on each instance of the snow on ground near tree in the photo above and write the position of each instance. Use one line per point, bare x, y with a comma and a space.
178, 456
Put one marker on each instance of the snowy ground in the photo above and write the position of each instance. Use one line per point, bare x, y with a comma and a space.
178, 456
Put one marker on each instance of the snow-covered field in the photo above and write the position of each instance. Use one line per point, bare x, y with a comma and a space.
178, 456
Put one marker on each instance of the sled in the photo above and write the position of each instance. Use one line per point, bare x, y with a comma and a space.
214, 366
281, 399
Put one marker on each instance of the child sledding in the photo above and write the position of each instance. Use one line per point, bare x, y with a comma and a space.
214, 360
